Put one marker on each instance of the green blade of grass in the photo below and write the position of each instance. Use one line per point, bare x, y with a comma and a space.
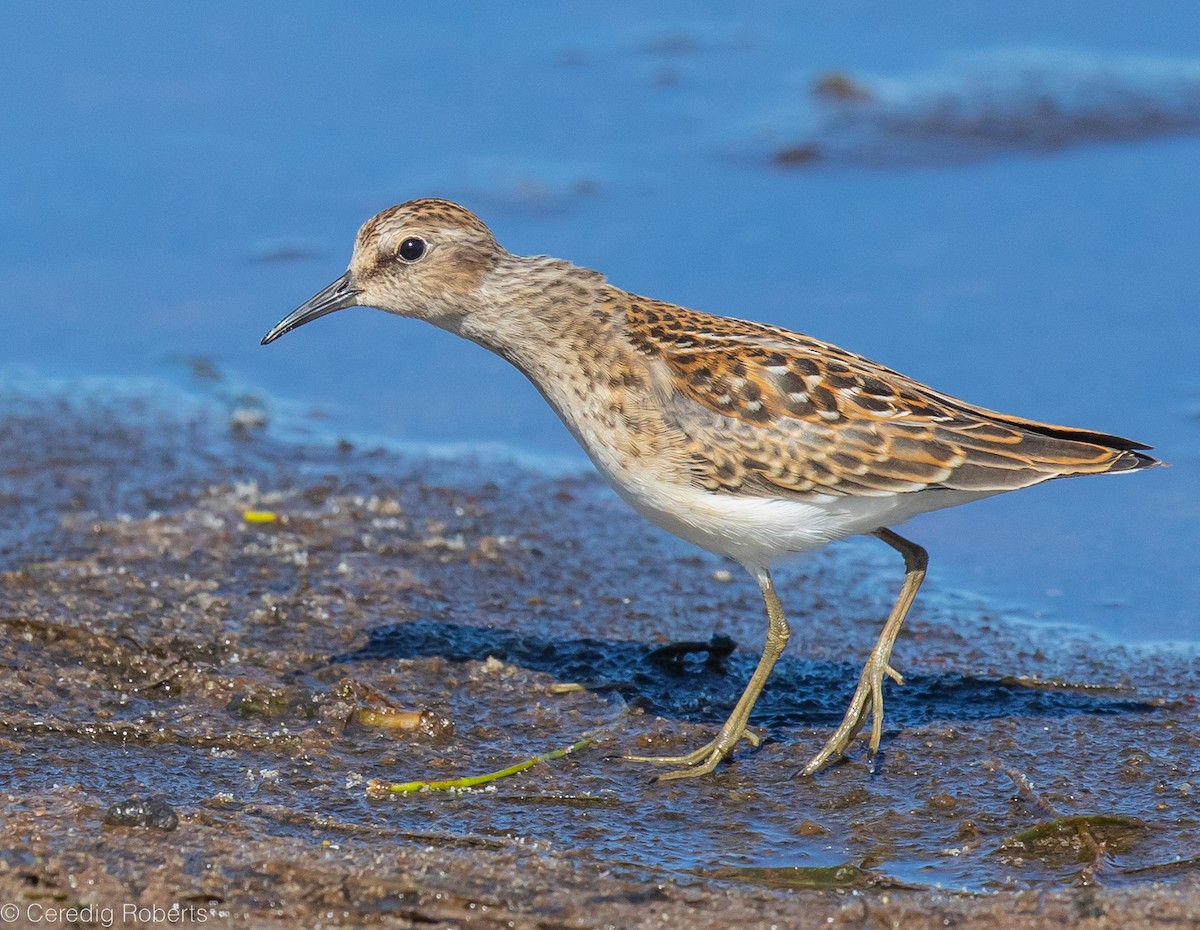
375, 786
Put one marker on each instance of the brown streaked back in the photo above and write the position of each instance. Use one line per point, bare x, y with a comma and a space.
805, 417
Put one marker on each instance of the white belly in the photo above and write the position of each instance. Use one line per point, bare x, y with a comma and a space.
762, 531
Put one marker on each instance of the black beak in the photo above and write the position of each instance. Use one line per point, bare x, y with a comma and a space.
337, 296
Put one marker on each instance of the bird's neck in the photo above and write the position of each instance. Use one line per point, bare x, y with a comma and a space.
539, 313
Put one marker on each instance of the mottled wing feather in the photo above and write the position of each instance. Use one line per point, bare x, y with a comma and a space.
769, 410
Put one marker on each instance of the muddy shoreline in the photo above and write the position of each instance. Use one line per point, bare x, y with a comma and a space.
207, 616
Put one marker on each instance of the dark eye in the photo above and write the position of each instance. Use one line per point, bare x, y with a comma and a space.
411, 250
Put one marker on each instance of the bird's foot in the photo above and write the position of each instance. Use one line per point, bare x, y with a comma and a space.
703, 760
868, 697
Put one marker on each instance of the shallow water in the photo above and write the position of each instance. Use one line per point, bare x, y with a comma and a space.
161, 643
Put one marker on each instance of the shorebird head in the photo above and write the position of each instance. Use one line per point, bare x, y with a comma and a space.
424, 259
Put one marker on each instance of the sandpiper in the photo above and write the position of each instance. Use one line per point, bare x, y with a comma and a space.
748, 440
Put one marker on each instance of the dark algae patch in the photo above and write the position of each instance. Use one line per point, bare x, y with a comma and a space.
1077, 838
807, 878
150, 812
236, 636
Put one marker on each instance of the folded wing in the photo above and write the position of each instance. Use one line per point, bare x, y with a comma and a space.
800, 416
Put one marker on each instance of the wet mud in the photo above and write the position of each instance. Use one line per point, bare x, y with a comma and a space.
216, 640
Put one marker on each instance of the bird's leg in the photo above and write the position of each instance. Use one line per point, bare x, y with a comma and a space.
706, 758
869, 694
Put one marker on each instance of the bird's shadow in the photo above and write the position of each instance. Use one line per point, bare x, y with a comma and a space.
680, 684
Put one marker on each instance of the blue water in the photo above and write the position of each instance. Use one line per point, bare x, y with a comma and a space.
178, 176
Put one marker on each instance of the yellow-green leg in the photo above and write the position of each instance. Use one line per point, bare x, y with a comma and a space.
706, 758
869, 694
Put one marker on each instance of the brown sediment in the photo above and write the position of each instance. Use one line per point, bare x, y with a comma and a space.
160, 653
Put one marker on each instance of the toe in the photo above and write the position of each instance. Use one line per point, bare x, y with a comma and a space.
694, 771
